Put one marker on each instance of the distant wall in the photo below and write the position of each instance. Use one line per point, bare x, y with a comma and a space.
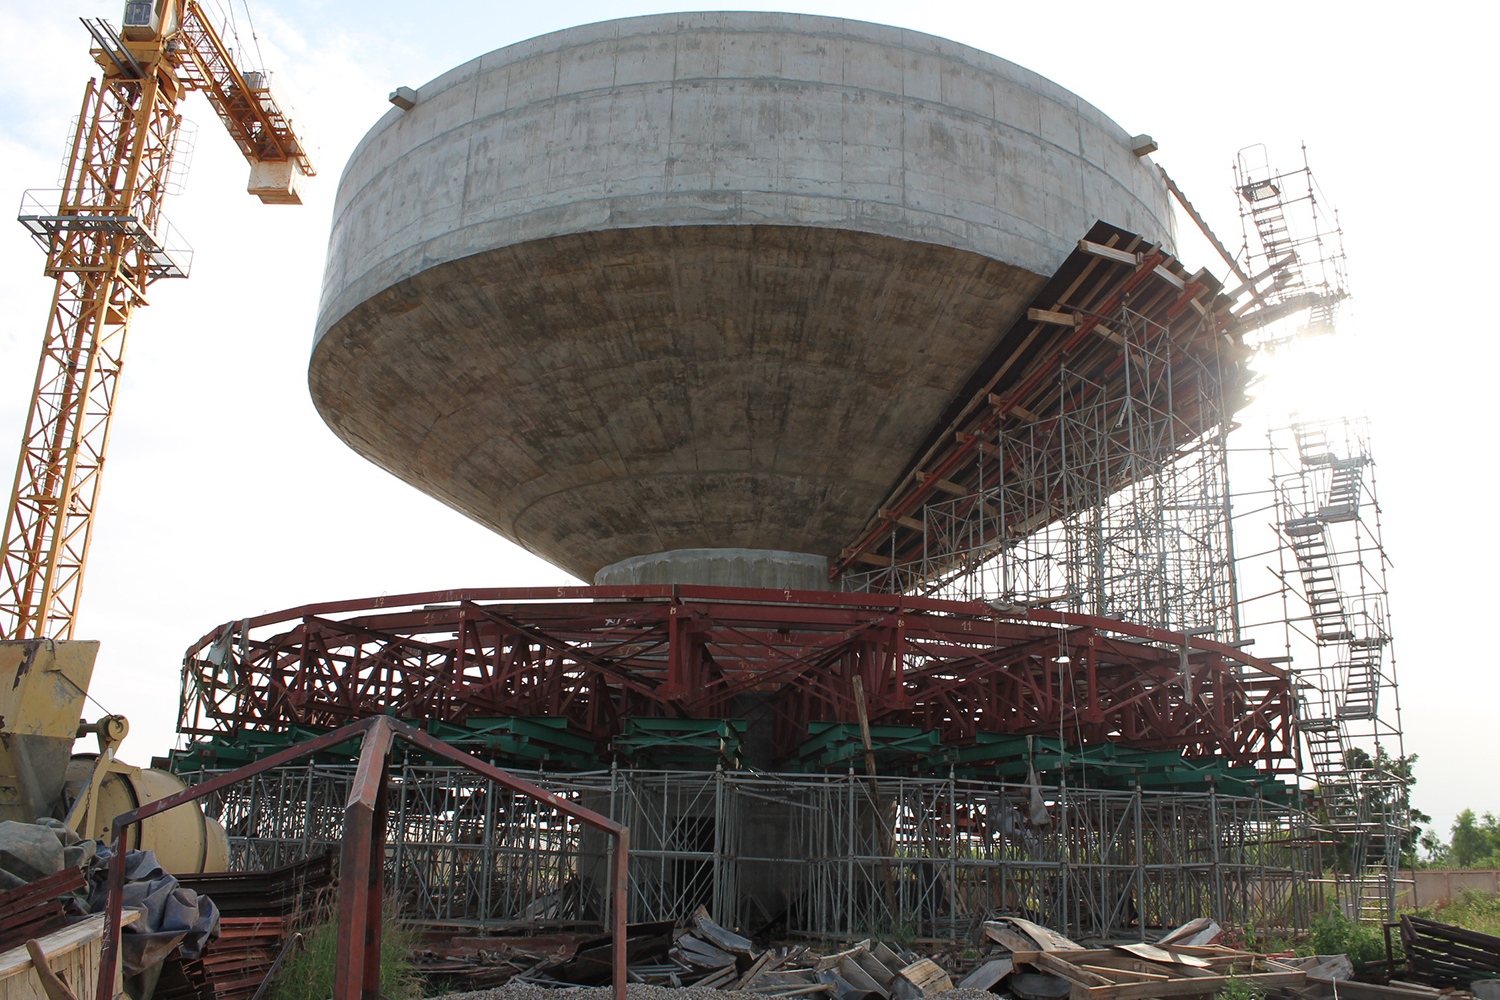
1435, 885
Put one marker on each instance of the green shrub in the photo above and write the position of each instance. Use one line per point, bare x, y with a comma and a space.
307, 974
1335, 934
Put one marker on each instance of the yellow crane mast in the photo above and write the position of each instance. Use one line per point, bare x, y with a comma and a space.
107, 243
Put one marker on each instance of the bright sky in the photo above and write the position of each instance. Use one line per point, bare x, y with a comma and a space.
226, 496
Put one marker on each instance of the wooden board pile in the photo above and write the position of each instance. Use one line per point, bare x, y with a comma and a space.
464, 964
701, 954
1139, 971
279, 892
707, 955
236, 963
1047, 965
1020, 958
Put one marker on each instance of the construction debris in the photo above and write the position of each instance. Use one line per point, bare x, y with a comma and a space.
987, 975
258, 914
1444, 955
703, 960
1195, 932
1016, 934
37, 908
1332, 967
1127, 972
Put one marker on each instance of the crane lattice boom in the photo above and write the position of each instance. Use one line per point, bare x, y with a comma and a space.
107, 242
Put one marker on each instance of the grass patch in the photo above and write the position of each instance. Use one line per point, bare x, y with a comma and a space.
307, 974
1236, 988
1473, 909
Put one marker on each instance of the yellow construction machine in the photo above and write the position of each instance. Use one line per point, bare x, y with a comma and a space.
43, 684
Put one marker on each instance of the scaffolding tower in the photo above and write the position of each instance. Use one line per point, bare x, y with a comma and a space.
1293, 250
1116, 504
1336, 621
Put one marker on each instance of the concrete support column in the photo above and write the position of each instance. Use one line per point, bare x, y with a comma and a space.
771, 569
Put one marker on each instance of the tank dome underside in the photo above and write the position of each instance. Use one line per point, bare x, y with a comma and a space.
609, 394
699, 280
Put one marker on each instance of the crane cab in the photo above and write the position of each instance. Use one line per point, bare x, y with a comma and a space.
147, 20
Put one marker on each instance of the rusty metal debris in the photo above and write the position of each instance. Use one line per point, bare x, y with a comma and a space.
36, 908
361, 867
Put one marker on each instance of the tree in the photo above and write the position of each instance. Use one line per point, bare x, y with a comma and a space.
1475, 841
1386, 792
1438, 853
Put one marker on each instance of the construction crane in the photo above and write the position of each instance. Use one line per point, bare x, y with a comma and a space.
107, 243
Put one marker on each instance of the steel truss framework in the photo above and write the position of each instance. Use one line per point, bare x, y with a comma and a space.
927, 856
598, 655
1336, 627
1117, 504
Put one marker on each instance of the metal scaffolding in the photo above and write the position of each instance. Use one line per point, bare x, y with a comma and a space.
1293, 250
1335, 618
811, 855
1115, 504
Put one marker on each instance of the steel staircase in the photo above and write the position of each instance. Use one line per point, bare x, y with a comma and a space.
1375, 884
1268, 216
1320, 319
1309, 540
1325, 747
1312, 445
1343, 491
1361, 680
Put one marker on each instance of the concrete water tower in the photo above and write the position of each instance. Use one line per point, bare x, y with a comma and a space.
676, 298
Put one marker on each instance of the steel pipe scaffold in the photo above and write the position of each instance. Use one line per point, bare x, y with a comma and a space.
924, 857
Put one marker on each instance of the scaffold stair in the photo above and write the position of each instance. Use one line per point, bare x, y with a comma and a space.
1312, 445
1374, 885
1343, 491
1325, 746
1320, 318
1341, 802
1269, 217
1341, 799
1309, 540
1362, 683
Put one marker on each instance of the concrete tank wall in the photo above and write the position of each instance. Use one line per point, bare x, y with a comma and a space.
697, 280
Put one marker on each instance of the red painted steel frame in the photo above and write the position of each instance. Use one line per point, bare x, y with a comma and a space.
361, 864
598, 655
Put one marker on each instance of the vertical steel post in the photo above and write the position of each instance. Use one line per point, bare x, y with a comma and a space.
1140, 865
1213, 832
356, 970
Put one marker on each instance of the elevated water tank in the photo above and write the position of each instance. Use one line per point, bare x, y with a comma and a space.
676, 297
